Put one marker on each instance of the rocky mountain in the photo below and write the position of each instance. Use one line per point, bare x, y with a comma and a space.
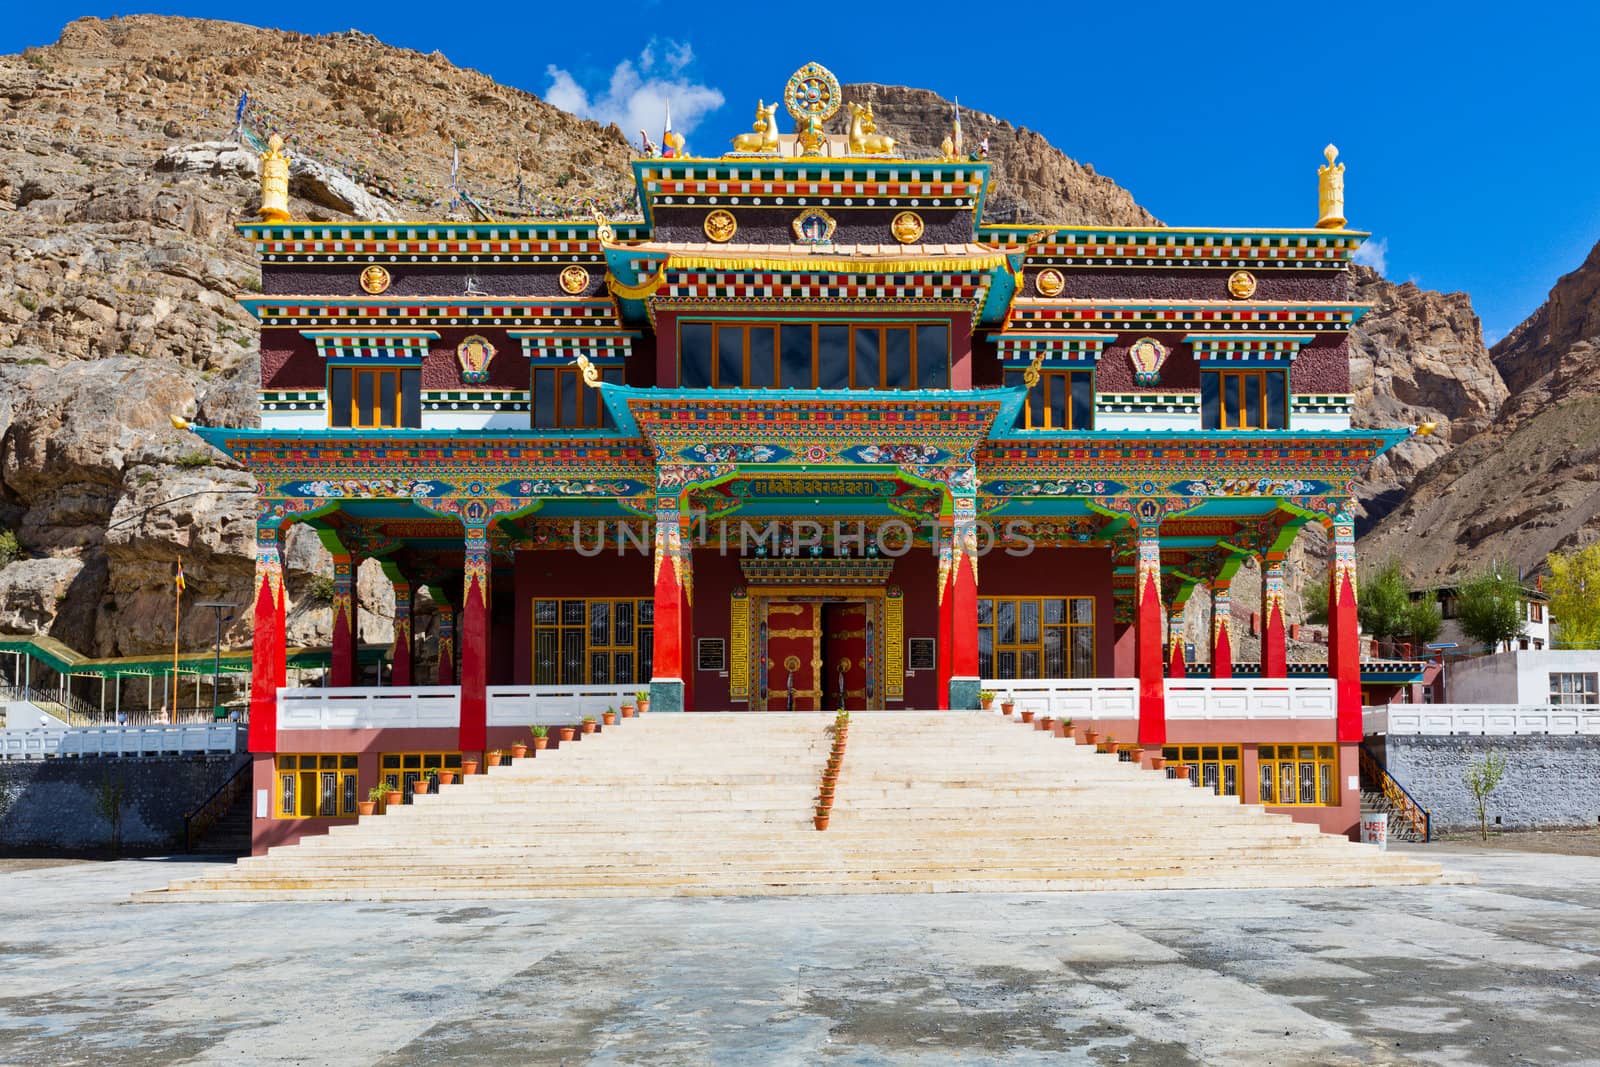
1530, 482
120, 268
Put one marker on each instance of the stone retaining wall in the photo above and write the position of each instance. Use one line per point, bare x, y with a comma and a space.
1550, 780
55, 804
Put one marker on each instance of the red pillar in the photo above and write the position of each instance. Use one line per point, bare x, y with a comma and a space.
401, 653
446, 614
671, 563
1221, 630
1148, 635
475, 641
1274, 635
1344, 632
958, 607
342, 655
268, 667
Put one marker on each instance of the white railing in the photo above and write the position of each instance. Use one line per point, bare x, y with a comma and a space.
1084, 699
21, 743
152, 740
1501, 719
1071, 698
1252, 698
552, 705
369, 707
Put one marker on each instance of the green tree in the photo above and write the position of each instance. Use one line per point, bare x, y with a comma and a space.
1425, 619
1489, 606
1314, 601
1575, 596
1483, 777
9, 549
1383, 602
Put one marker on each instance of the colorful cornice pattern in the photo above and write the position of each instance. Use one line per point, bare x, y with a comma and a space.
1065, 246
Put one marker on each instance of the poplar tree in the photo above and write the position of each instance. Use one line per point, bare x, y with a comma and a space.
1575, 596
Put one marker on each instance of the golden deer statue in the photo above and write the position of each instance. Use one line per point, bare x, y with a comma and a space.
765, 137
864, 140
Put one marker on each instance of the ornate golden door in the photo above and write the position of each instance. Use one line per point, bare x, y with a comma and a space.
794, 656
846, 672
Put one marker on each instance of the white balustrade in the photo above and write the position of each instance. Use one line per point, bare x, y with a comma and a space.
552, 705
1496, 719
34, 743
153, 740
1071, 698
1252, 698
369, 707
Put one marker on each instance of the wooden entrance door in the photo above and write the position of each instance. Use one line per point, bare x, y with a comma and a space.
794, 655
847, 673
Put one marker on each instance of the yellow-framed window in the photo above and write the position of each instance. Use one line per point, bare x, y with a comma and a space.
1300, 775
1062, 399
315, 785
400, 770
1218, 768
814, 355
593, 641
1036, 637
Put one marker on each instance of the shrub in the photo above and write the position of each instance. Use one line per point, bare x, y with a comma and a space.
321, 590
194, 459
10, 550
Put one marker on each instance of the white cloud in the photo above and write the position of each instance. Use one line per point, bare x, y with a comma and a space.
1374, 254
636, 96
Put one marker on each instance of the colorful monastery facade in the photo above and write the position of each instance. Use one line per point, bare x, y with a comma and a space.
811, 434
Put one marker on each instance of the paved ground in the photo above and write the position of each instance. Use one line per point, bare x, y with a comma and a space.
1507, 971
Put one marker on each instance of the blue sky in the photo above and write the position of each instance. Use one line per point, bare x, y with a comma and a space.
1469, 130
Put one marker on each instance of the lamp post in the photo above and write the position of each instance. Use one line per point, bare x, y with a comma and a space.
218, 606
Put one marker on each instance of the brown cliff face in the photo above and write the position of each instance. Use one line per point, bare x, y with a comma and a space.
1033, 181
1530, 482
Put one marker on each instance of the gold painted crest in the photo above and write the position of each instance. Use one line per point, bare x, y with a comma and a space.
475, 354
375, 279
574, 279
1049, 282
814, 226
720, 226
1241, 285
906, 227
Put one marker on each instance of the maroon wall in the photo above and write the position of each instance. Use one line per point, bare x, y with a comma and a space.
1058, 572
558, 574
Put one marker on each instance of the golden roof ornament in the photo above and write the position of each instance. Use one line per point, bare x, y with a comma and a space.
764, 138
1330, 192
864, 139
811, 97
274, 182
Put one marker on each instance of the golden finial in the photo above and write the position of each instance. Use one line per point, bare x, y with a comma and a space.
1330, 192
1030, 377
591, 373
1427, 429
274, 182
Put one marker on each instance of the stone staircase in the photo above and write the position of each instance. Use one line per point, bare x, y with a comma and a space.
720, 804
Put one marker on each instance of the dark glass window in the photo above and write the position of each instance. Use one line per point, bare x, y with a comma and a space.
562, 401
819, 356
375, 397
1252, 399
1063, 400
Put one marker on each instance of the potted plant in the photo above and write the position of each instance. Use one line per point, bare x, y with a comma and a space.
469, 766
446, 776
393, 797
1027, 716
1091, 737
541, 736
519, 749
627, 709
986, 698
495, 757
820, 819
1109, 744
1045, 723
420, 786
374, 795
1066, 728
588, 724
1006, 704
1157, 761
609, 716
564, 733
643, 697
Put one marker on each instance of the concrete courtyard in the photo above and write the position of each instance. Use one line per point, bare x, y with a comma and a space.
1506, 971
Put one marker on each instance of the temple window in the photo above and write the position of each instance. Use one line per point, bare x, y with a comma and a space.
561, 401
375, 397
316, 786
1298, 774
1244, 400
1214, 767
599, 641
741, 355
1574, 687
1036, 637
1063, 399
401, 770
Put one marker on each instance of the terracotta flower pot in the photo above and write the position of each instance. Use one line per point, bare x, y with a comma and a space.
420, 788
518, 751
1006, 707
988, 705
587, 727
564, 733
1027, 716
609, 718
540, 742
469, 767
494, 759
1158, 763
627, 711
366, 807
644, 706
1091, 737
819, 821
447, 777
393, 798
